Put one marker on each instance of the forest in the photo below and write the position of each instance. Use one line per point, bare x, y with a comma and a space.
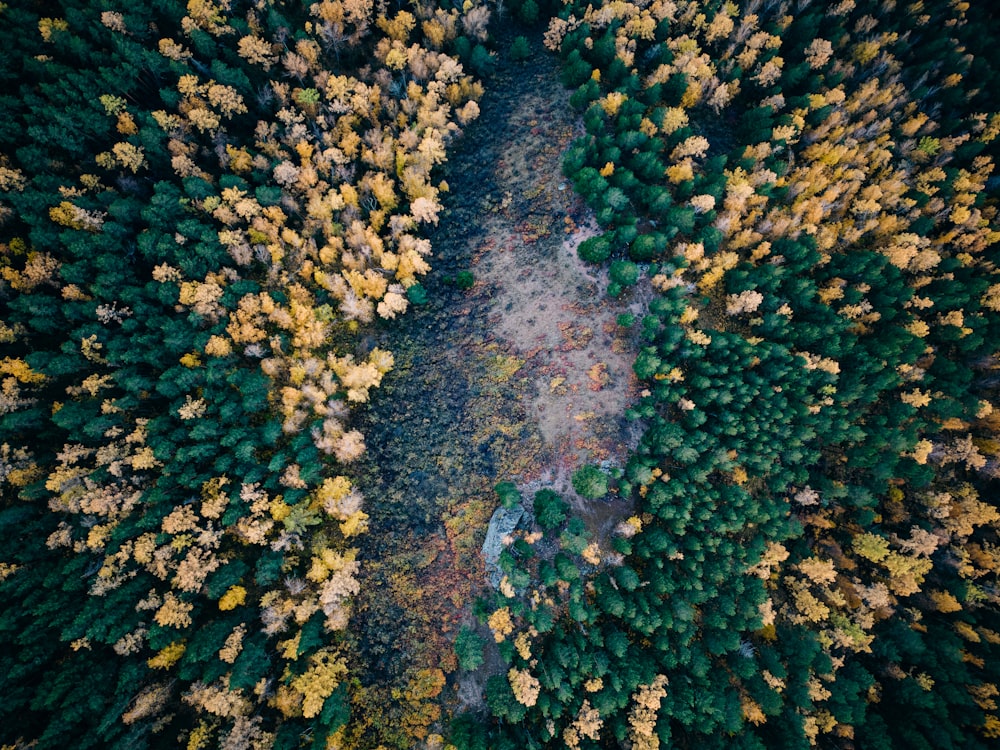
499, 374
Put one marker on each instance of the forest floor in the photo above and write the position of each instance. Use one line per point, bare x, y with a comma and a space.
523, 378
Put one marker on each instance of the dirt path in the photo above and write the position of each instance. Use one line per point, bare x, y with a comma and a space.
523, 377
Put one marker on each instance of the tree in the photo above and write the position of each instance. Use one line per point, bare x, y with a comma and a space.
550, 509
469, 649
590, 482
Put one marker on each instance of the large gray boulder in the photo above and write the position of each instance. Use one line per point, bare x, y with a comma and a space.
503, 523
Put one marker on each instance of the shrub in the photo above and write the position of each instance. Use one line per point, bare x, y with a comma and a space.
589, 183
508, 494
673, 90
627, 232
590, 482
468, 733
584, 95
481, 61
646, 364
575, 158
501, 701
711, 238
528, 12
550, 509
417, 294
574, 538
575, 70
624, 272
594, 249
469, 649
681, 217
606, 216
520, 49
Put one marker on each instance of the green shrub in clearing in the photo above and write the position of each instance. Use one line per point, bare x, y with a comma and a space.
550, 509
469, 649
417, 294
519, 49
594, 249
508, 494
590, 482
624, 272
